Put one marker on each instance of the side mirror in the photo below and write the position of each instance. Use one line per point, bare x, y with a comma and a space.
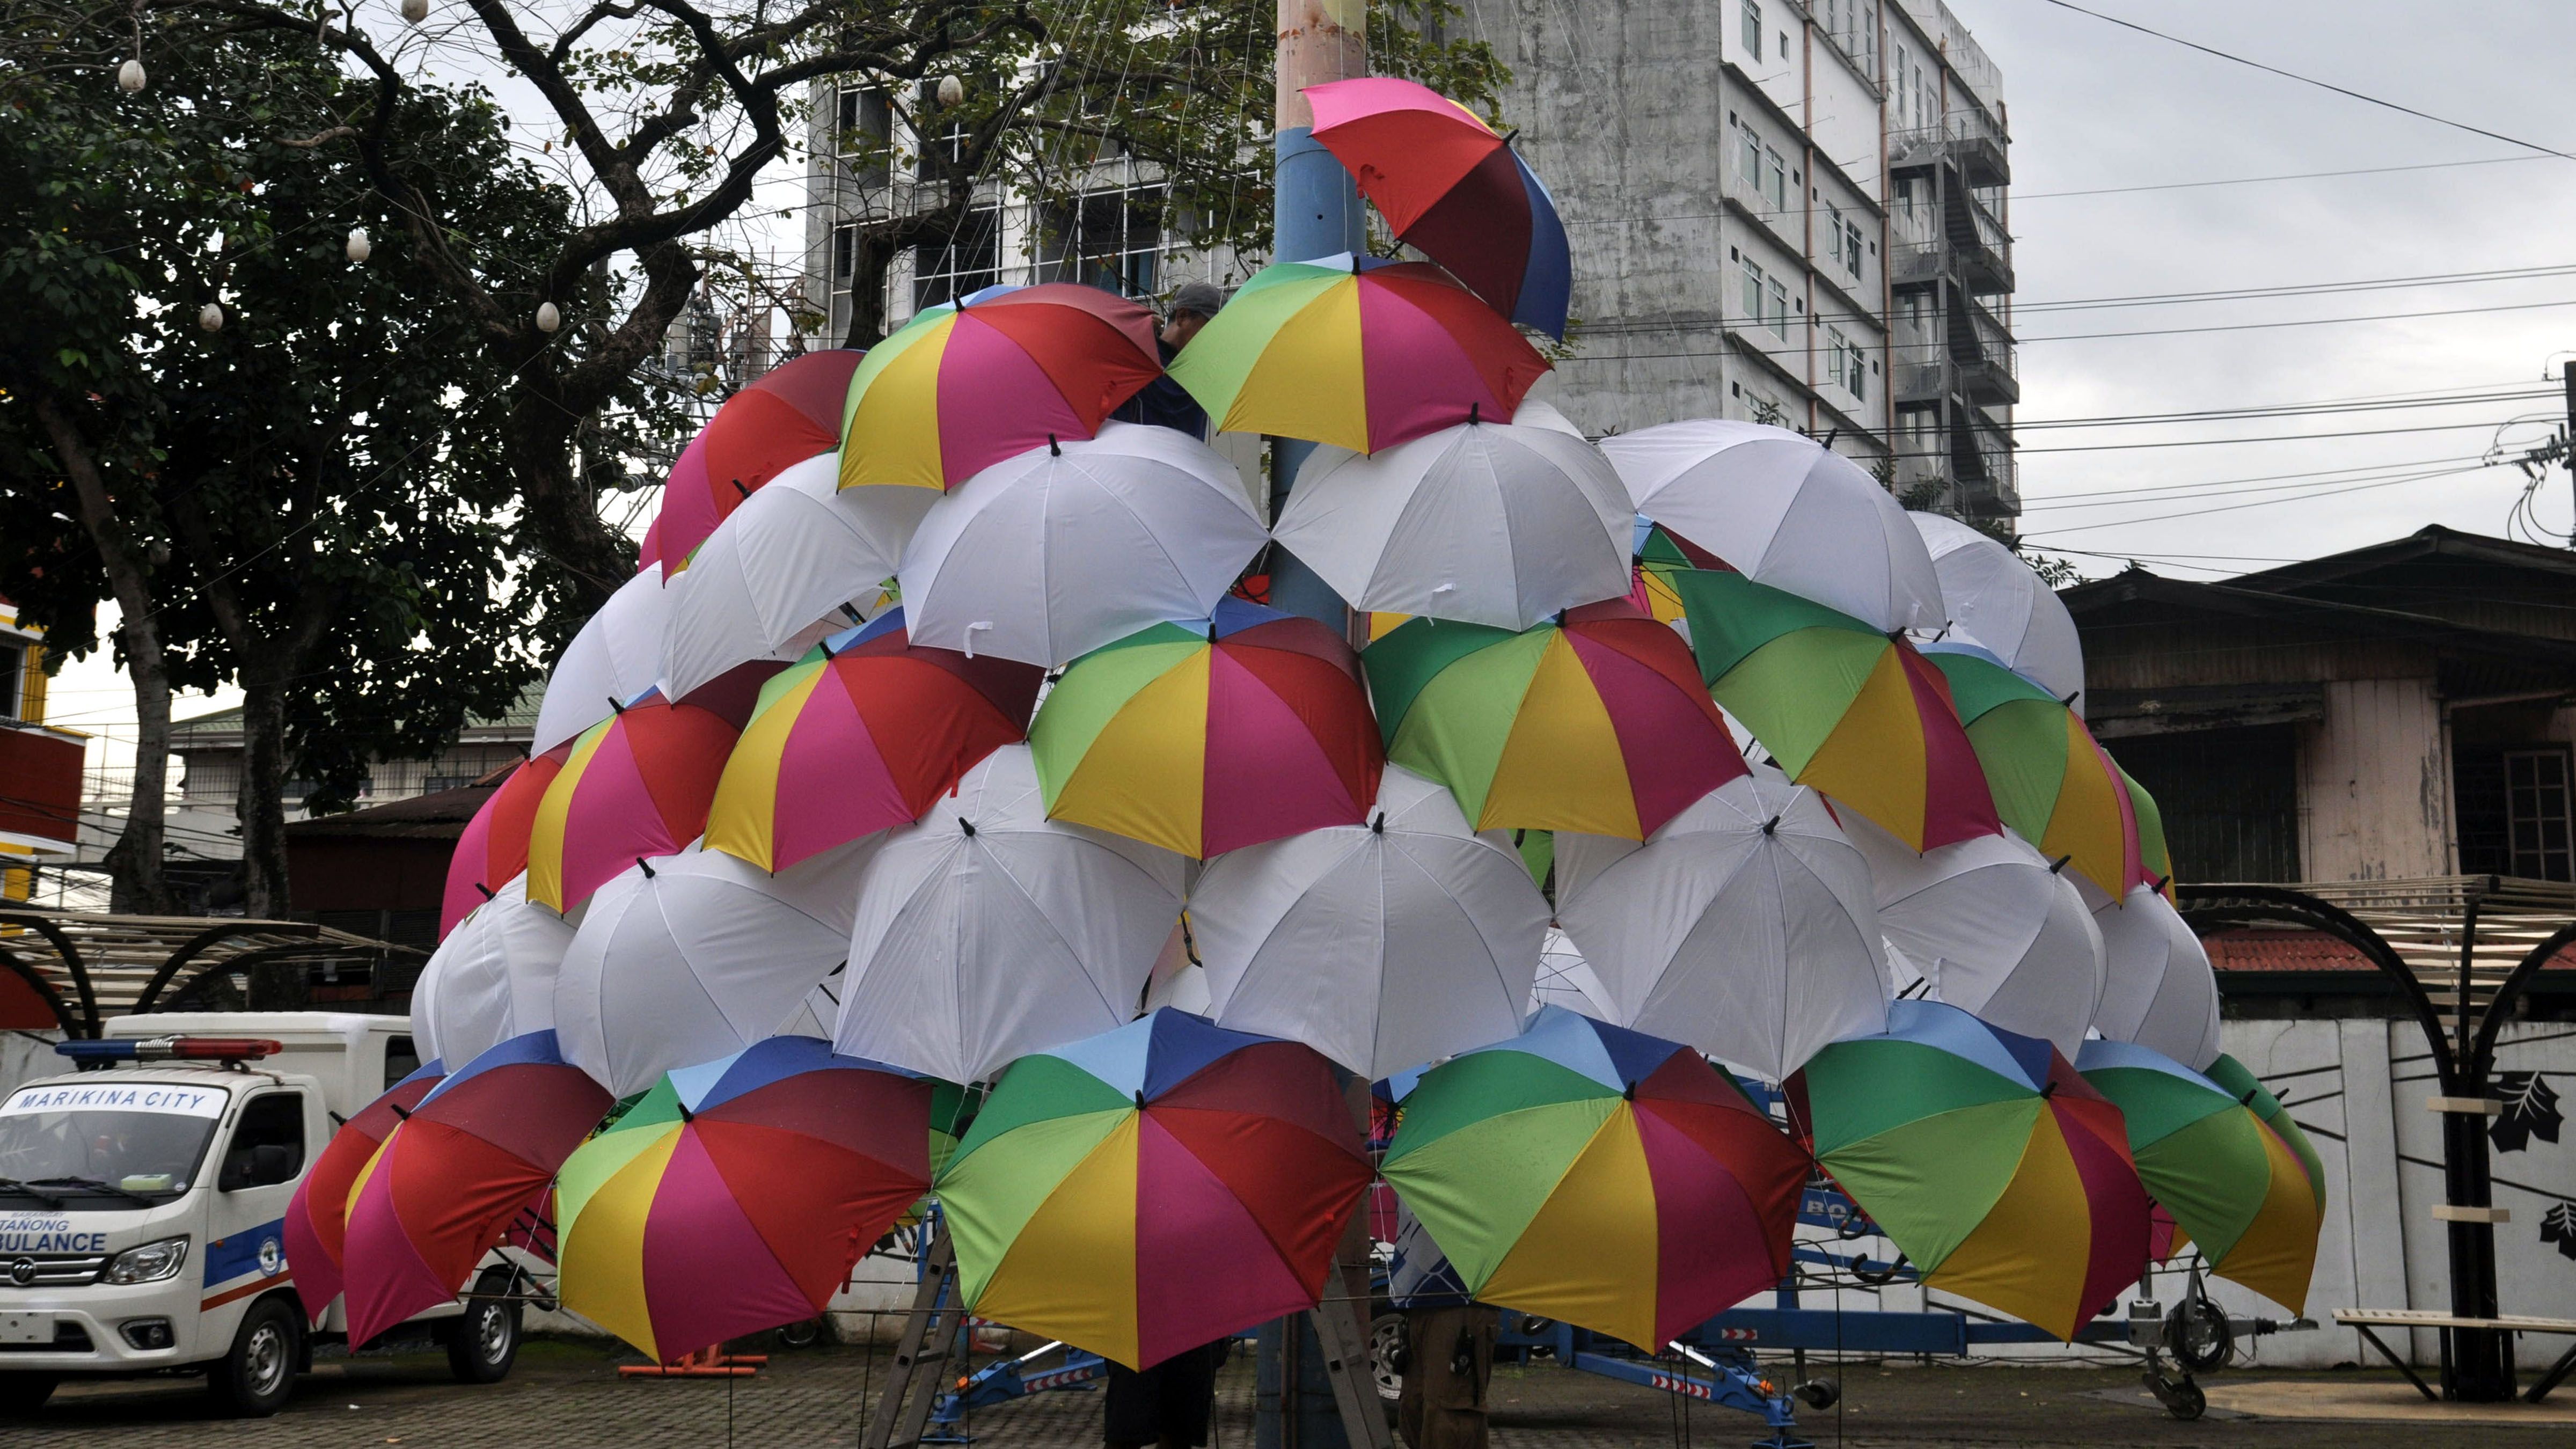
271, 1164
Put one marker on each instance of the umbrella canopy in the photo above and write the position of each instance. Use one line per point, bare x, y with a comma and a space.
1208, 736
792, 413
1985, 1158
2051, 781
1596, 722
1744, 926
1382, 945
2229, 1181
964, 385
443, 1189
1489, 523
861, 736
493, 978
1995, 601
2157, 988
694, 516
697, 955
1660, 554
317, 1217
1567, 981
1452, 187
1787, 511
738, 1193
1051, 554
2232, 1077
987, 931
799, 560
1608, 1178
1847, 708
2155, 858
1357, 352
1141, 1192
637, 784
615, 657
493, 851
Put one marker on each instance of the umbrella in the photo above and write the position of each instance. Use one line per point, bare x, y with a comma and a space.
2155, 857
1784, 510
2229, 1180
1596, 722
615, 657
799, 560
964, 385
688, 497
1986, 1160
690, 957
2158, 990
1489, 523
317, 1217
1597, 1175
638, 784
792, 413
1567, 981
1660, 554
2050, 780
1993, 929
737, 1194
443, 1189
1054, 553
1744, 926
1995, 602
2232, 1077
1849, 709
493, 851
493, 978
1141, 1192
988, 931
1357, 352
861, 736
1209, 736
1451, 187
1383, 945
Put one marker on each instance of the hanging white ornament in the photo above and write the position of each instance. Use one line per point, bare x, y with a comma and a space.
360, 247
130, 77
951, 90
211, 317
548, 318
415, 11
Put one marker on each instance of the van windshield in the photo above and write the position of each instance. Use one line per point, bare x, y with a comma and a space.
101, 1145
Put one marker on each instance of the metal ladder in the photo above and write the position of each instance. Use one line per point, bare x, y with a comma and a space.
934, 1335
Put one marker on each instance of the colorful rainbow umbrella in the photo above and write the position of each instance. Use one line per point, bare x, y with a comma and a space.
735, 1196
1598, 1175
1357, 352
1660, 554
493, 851
791, 414
2052, 783
861, 735
317, 1218
2232, 1077
443, 1189
1986, 1160
964, 385
2155, 857
636, 784
1203, 737
1855, 712
1453, 187
2228, 1179
1596, 722
1143, 1191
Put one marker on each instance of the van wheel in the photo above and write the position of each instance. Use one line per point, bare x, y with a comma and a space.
257, 1377
23, 1394
484, 1341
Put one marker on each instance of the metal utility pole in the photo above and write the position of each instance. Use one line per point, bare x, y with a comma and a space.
2567, 375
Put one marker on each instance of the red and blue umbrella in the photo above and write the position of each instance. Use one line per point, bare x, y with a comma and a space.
317, 1218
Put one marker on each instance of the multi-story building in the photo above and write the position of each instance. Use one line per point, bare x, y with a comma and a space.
40, 767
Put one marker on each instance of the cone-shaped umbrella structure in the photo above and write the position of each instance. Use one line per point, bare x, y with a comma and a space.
616, 656
1613, 1180
1208, 736
493, 978
738, 1193
1985, 1158
637, 784
317, 1217
1144, 1191
493, 851
1996, 602
1596, 722
2157, 989
2050, 780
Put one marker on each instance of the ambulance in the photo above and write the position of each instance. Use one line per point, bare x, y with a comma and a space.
143, 1205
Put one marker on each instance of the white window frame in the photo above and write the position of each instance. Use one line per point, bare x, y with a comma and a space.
1752, 33
1754, 280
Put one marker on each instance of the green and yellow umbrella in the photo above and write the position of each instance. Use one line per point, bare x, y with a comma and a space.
2051, 782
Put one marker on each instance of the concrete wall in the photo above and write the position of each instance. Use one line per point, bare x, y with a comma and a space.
2374, 783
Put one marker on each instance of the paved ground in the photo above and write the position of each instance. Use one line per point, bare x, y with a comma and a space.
566, 1395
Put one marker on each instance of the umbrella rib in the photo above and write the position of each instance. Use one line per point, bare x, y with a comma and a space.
1003, 870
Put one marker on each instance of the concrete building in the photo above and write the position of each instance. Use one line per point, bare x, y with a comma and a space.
40, 767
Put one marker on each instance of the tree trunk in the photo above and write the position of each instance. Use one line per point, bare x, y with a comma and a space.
562, 519
261, 807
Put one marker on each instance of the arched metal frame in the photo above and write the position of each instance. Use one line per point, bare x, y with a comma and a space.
44, 990
205, 940
87, 1024
2209, 908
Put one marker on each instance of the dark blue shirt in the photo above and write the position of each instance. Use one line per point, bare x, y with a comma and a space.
1165, 403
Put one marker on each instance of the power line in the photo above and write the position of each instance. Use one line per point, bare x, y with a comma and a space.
2299, 322
2298, 289
2265, 502
2271, 438
2186, 492
2022, 196
2277, 410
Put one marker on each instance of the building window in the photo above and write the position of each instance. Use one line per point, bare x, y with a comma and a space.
1780, 310
1752, 29
13, 662
1111, 239
967, 262
864, 128
2536, 813
1851, 248
1752, 292
1778, 190
1748, 155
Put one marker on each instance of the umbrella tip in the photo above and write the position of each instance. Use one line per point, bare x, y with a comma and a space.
966, 825
2059, 864
1378, 826
826, 646
1054, 448
2159, 883
615, 706
739, 488
488, 892
1475, 412
404, 1112
1771, 825
645, 866
2069, 700
1140, 1099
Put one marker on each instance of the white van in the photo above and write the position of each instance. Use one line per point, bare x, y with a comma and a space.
143, 1206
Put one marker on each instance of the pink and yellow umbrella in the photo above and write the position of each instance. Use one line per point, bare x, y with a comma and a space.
493, 851
637, 784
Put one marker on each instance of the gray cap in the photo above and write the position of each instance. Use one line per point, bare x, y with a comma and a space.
1199, 297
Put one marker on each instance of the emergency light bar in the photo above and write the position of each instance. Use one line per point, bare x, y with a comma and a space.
168, 1049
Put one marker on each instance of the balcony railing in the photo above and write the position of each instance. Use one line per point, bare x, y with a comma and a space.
1966, 138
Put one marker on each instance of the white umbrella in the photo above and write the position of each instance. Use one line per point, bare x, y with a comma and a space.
493, 978
1384, 945
690, 957
986, 931
615, 657
1996, 602
1566, 979
2159, 990
1743, 927
1786, 511
1992, 929
776, 574
1060, 550
1489, 523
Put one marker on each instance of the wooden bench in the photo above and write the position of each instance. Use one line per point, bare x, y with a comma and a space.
2365, 1319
